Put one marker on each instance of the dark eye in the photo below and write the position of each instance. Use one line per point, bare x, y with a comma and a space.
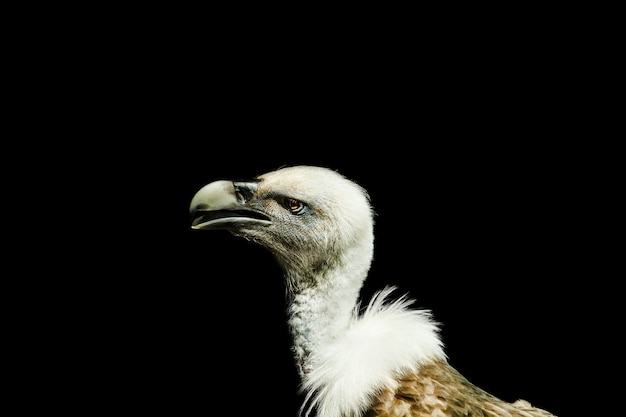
293, 205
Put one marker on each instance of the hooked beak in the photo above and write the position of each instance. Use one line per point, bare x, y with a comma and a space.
224, 205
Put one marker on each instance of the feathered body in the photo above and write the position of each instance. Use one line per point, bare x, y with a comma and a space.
383, 359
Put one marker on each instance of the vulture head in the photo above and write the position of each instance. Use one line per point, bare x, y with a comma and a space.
314, 220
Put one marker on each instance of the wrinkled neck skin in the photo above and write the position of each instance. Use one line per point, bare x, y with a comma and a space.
320, 308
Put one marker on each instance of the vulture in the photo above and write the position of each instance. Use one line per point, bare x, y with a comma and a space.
380, 357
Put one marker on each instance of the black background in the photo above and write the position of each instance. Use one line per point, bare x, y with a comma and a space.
461, 134
480, 233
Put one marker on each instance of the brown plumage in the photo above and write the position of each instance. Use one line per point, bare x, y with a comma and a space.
439, 390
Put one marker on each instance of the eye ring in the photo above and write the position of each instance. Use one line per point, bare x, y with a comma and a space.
293, 206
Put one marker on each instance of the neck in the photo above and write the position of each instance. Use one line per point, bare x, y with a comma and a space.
316, 317
322, 311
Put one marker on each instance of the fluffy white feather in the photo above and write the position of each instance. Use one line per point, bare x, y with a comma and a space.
386, 340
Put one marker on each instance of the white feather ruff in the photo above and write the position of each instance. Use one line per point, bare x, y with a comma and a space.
387, 339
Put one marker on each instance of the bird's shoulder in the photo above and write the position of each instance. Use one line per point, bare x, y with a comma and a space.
437, 389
